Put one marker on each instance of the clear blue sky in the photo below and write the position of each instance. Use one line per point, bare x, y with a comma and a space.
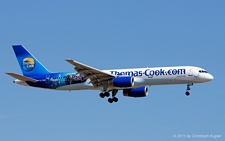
107, 35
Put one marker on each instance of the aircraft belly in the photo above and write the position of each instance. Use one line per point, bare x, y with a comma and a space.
138, 82
80, 86
167, 81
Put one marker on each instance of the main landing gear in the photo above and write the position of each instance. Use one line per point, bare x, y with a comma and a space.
188, 89
104, 94
113, 99
107, 94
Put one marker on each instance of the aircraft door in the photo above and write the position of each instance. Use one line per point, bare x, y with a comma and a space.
196, 74
190, 72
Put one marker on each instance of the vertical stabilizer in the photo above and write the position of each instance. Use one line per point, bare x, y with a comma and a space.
28, 63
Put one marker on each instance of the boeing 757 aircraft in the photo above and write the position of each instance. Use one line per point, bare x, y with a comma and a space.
133, 82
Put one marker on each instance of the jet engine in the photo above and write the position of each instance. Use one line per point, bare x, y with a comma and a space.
136, 92
125, 81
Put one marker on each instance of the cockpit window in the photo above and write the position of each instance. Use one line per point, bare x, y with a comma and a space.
203, 71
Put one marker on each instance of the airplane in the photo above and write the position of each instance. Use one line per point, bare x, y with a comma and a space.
133, 82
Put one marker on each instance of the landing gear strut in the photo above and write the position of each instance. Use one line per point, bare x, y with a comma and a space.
114, 98
188, 89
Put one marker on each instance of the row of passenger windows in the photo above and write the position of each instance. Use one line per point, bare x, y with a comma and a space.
203, 71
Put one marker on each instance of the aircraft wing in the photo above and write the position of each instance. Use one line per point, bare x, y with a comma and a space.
96, 76
20, 77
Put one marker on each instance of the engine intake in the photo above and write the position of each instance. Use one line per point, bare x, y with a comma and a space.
125, 81
136, 92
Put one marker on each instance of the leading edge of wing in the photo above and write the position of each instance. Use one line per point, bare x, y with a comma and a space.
88, 71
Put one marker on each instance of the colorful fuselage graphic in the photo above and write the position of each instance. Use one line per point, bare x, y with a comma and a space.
55, 80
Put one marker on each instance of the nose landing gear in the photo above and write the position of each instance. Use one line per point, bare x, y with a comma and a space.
188, 89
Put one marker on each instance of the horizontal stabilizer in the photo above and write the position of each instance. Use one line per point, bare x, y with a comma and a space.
20, 77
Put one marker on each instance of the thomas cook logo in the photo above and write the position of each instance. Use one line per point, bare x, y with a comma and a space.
28, 64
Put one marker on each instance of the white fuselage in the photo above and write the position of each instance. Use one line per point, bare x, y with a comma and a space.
152, 76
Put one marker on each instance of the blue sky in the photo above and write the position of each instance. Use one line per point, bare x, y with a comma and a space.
108, 35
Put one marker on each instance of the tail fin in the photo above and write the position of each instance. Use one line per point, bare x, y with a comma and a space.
28, 63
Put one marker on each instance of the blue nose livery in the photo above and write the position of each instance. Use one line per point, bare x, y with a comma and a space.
132, 82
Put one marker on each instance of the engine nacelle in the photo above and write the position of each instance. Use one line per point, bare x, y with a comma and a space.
136, 92
125, 81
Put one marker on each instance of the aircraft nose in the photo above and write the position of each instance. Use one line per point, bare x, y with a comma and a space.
210, 77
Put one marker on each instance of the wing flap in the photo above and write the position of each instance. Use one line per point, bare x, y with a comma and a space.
20, 77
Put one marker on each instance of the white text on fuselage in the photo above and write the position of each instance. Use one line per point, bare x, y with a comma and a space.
150, 73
